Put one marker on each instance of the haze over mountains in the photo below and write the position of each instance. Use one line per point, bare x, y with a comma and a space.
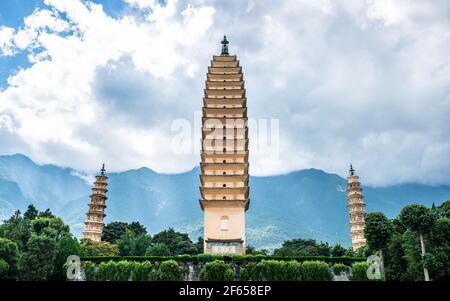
308, 203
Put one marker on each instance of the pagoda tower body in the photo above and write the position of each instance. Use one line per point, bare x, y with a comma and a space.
93, 227
356, 209
224, 156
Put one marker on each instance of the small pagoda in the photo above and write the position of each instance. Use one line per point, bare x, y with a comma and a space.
93, 227
224, 186
356, 208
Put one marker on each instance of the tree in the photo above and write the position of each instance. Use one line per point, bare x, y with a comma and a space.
303, 247
37, 262
46, 213
17, 229
113, 231
10, 254
66, 246
52, 227
158, 249
377, 231
101, 248
338, 251
137, 228
420, 219
31, 212
444, 209
131, 244
439, 241
178, 243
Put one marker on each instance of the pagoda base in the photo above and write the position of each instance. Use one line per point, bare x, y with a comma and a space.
224, 246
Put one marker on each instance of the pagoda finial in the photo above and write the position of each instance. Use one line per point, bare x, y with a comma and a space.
352, 171
103, 170
224, 46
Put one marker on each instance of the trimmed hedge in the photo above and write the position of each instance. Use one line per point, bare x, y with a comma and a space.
235, 258
217, 271
135, 271
273, 270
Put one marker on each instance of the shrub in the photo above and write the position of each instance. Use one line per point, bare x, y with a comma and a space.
315, 271
4, 268
251, 272
89, 271
338, 268
272, 270
217, 271
359, 271
170, 271
114, 271
143, 271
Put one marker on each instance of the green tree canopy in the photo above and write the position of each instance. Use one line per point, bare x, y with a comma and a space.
303, 247
31, 213
17, 229
377, 231
114, 230
9, 252
131, 244
52, 227
37, 262
338, 251
158, 249
178, 243
417, 218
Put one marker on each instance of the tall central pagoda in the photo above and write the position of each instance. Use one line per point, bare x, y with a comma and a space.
224, 156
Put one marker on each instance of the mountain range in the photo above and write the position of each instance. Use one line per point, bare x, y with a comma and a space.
309, 203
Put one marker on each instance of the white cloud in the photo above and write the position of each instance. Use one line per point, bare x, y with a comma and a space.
362, 81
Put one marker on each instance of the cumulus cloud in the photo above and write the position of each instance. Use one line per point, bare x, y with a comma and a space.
365, 82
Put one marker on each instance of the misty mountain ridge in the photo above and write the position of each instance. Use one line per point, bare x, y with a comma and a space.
308, 203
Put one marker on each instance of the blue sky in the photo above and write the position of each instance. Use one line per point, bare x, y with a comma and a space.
348, 81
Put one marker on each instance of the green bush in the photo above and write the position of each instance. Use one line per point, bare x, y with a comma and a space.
359, 271
316, 271
217, 271
4, 268
143, 271
338, 268
170, 271
114, 271
89, 271
251, 272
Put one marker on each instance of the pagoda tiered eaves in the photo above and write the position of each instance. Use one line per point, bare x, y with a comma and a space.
93, 227
224, 180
